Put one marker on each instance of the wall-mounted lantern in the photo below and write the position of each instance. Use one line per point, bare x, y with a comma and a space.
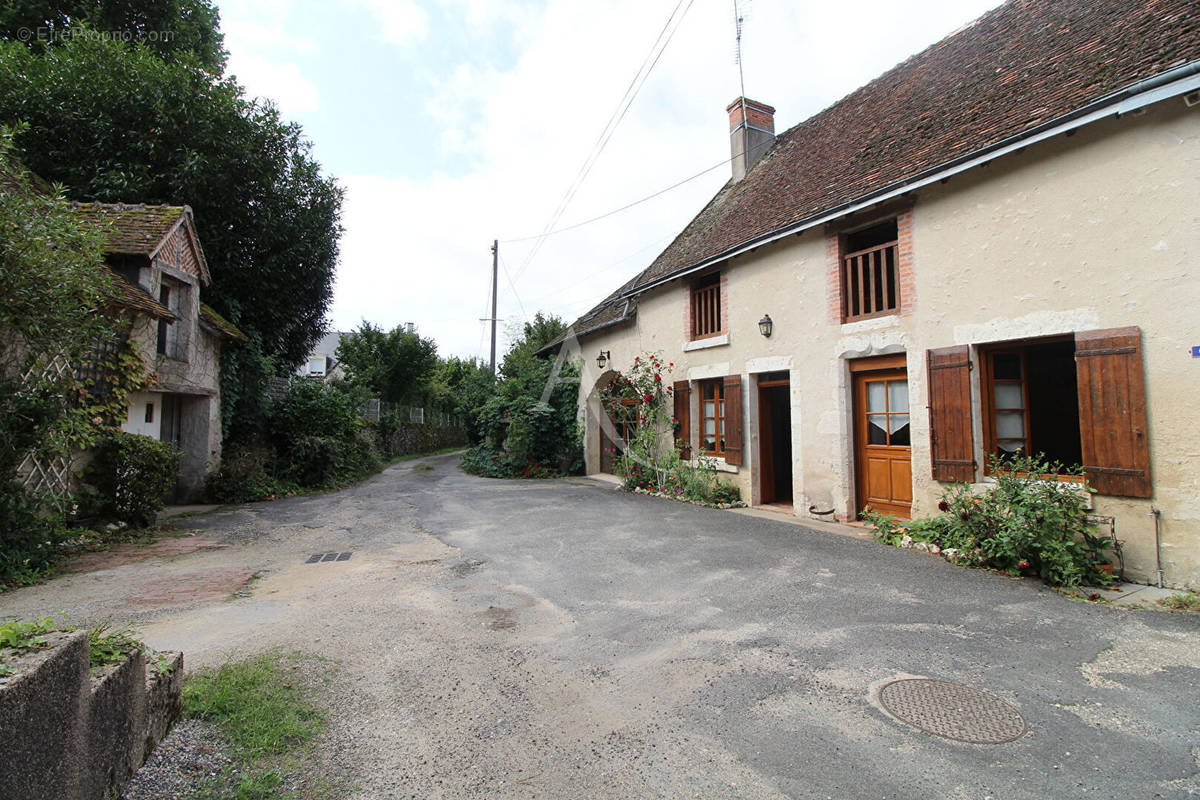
602, 359
765, 325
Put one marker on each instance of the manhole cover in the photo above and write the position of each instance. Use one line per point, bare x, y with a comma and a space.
952, 711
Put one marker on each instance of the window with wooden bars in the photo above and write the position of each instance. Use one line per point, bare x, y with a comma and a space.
870, 272
706, 307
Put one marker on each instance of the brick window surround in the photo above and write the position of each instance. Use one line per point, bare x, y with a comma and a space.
706, 308
841, 307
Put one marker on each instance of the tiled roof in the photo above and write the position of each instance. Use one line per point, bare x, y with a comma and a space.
138, 299
1017, 67
133, 229
220, 325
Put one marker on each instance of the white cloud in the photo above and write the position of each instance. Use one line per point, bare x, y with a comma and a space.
282, 82
512, 140
400, 21
264, 56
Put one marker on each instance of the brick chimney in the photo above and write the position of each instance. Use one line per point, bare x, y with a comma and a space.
751, 133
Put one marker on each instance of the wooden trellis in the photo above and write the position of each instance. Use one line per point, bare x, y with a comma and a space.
49, 477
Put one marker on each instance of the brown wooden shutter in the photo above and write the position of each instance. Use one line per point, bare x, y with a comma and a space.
733, 419
683, 413
1112, 411
951, 440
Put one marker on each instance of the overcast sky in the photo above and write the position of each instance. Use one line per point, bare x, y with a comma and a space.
456, 122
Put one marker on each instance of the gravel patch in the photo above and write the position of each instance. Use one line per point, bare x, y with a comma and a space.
192, 753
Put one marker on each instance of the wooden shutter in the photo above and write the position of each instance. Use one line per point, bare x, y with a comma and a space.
951, 440
1112, 411
683, 413
733, 419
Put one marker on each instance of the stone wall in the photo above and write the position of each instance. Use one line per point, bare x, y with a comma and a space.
71, 734
412, 437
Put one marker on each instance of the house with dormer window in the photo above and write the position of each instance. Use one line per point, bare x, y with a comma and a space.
160, 271
990, 249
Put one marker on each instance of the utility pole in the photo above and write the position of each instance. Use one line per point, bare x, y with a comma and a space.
495, 281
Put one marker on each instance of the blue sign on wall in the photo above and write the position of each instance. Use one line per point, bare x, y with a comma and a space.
1196, 351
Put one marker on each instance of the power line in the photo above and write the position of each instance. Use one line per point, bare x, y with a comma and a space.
512, 286
597, 272
625, 207
631, 92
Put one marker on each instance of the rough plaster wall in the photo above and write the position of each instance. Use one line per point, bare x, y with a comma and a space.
1097, 230
135, 419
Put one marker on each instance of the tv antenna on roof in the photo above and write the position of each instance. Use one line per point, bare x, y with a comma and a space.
739, 20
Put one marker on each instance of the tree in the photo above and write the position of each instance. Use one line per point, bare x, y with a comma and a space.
54, 292
396, 365
53, 282
461, 387
522, 370
116, 123
173, 30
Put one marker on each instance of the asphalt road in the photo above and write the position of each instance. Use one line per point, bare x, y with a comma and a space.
564, 639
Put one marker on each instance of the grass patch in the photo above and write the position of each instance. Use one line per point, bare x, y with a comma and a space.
264, 710
256, 703
1181, 602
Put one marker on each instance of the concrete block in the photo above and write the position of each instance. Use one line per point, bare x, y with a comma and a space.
164, 697
41, 730
116, 721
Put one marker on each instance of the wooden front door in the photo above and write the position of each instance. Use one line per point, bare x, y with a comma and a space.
883, 451
624, 427
774, 436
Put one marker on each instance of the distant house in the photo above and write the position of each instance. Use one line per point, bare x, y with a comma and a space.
322, 360
990, 249
160, 269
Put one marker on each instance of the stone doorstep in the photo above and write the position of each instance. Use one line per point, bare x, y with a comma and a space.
1131, 595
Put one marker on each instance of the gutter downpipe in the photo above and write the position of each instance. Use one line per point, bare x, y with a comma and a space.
1157, 514
1072, 120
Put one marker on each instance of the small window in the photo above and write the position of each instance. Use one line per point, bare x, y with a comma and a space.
172, 338
870, 272
712, 417
149, 412
706, 307
316, 365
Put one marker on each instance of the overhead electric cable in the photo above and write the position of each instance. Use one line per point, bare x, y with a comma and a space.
625, 207
512, 286
631, 92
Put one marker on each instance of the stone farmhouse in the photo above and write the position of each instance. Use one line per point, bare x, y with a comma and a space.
991, 248
160, 269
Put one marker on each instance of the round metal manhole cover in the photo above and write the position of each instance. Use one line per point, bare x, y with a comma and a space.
952, 711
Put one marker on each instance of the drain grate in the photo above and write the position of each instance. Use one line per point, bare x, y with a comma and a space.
317, 558
952, 711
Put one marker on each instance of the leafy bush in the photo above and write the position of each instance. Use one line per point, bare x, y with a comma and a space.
319, 435
1028, 521
246, 475
484, 459
29, 535
132, 475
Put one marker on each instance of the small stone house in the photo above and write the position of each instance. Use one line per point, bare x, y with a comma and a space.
991, 248
160, 270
